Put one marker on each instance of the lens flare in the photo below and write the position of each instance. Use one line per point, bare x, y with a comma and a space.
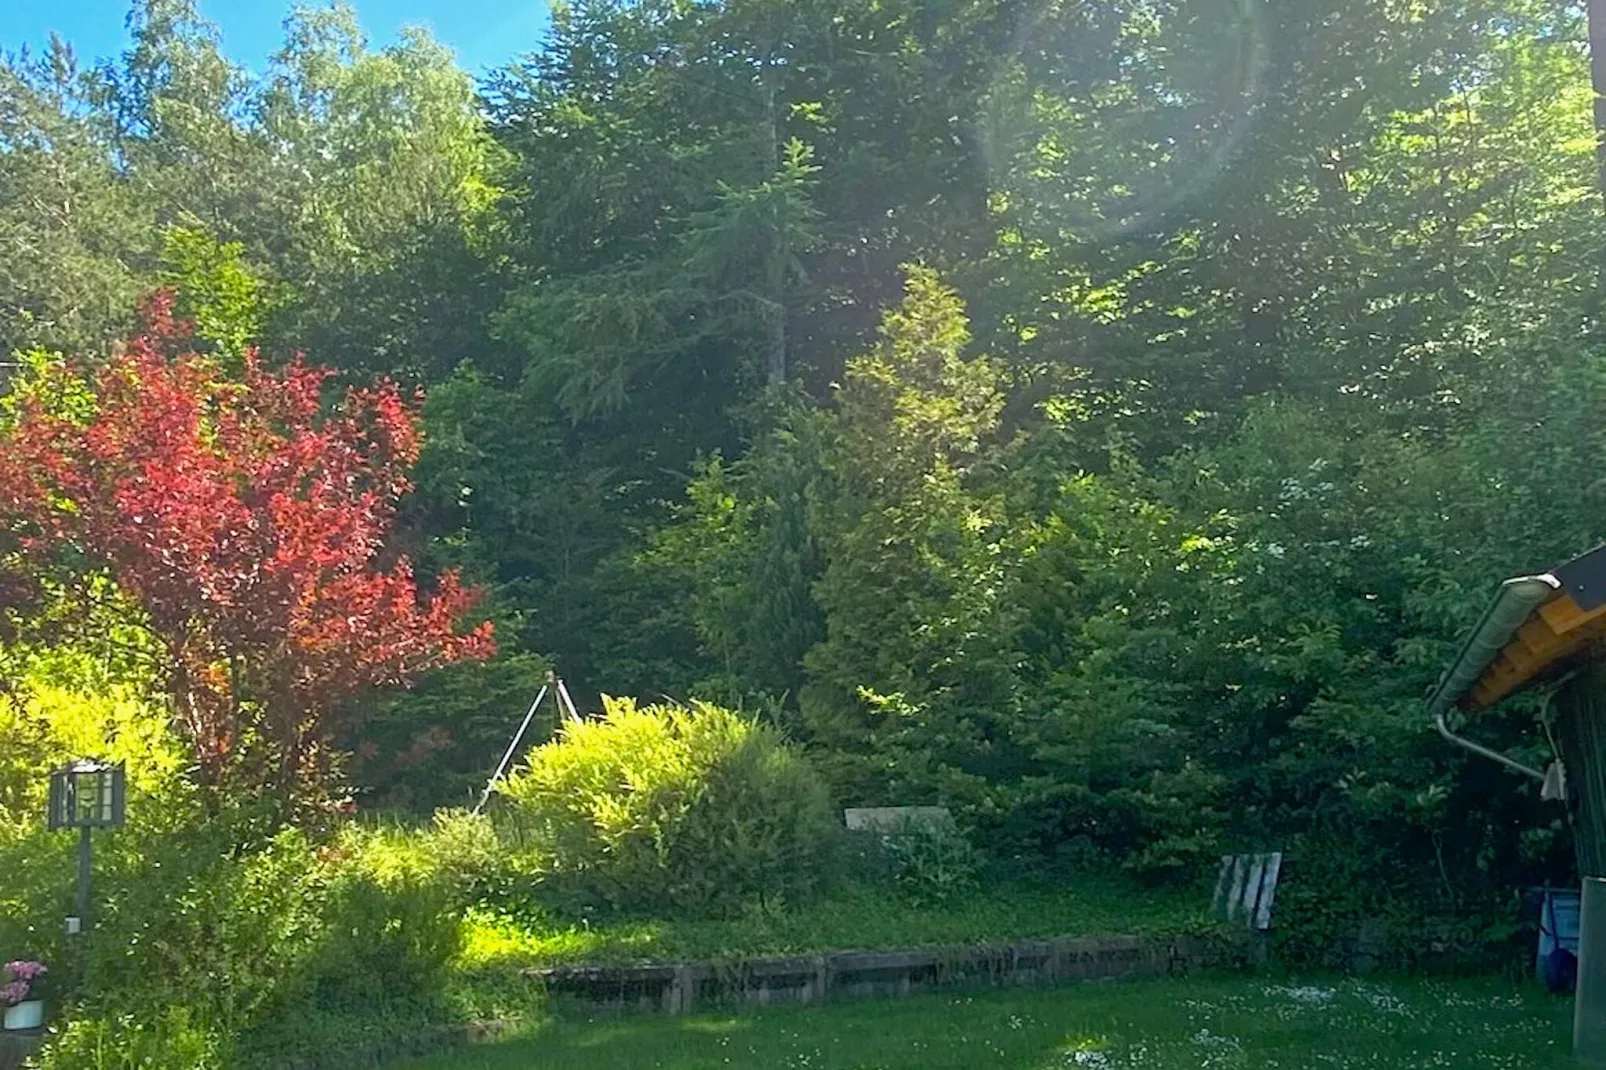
1103, 120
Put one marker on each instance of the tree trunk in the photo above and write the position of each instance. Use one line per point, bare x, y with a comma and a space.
1597, 78
775, 283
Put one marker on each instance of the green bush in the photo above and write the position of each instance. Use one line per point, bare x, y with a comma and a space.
464, 849
385, 940
218, 934
47, 718
931, 861
239, 925
250, 937
153, 1039
697, 810
200, 920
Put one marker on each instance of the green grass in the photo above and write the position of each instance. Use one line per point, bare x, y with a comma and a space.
854, 918
1195, 1024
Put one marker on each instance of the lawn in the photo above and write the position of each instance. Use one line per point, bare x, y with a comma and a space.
1194, 1024
855, 917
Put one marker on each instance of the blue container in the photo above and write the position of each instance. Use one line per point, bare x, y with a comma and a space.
1556, 961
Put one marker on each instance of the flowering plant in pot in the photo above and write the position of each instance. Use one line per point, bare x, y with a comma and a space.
22, 994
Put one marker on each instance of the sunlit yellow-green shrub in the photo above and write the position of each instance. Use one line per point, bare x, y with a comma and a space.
44, 724
693, 810
158, 1037
210, 923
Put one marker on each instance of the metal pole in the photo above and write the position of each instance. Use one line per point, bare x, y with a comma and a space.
574, 714
490, 785
1589, 1003
83, 879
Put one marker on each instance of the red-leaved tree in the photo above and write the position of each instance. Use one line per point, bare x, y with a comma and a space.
246, 518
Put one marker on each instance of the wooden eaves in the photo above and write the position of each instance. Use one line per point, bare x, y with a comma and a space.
1537, 628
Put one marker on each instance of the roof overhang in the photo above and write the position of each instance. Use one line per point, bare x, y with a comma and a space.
1536, 628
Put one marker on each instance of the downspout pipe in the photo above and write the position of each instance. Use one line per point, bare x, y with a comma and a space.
1516, 599
1478, 748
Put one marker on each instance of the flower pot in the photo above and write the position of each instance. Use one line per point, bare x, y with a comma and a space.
29, 1014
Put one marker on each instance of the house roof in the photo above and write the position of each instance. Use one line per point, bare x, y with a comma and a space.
1536, 628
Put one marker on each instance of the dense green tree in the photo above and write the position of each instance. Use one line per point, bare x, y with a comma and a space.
913, 674
76, 242
359, 183
1300, 198
385, 181
1290, 314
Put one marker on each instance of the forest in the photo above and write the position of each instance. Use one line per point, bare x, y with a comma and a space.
1102, 420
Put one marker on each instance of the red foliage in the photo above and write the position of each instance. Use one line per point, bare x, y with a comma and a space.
248, 521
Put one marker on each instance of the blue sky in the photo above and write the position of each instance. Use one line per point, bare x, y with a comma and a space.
483, 33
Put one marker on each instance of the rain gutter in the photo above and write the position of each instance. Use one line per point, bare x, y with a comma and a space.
1517, 598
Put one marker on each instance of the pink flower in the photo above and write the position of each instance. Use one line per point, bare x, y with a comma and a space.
22, 974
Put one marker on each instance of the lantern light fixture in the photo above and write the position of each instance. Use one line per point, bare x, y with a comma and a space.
86, 795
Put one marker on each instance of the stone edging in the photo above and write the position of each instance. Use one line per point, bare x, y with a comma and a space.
679, 988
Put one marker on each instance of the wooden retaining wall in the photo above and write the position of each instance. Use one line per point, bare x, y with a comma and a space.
680, 988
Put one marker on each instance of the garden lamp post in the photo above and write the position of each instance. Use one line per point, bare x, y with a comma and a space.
1550, 629
86, 795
